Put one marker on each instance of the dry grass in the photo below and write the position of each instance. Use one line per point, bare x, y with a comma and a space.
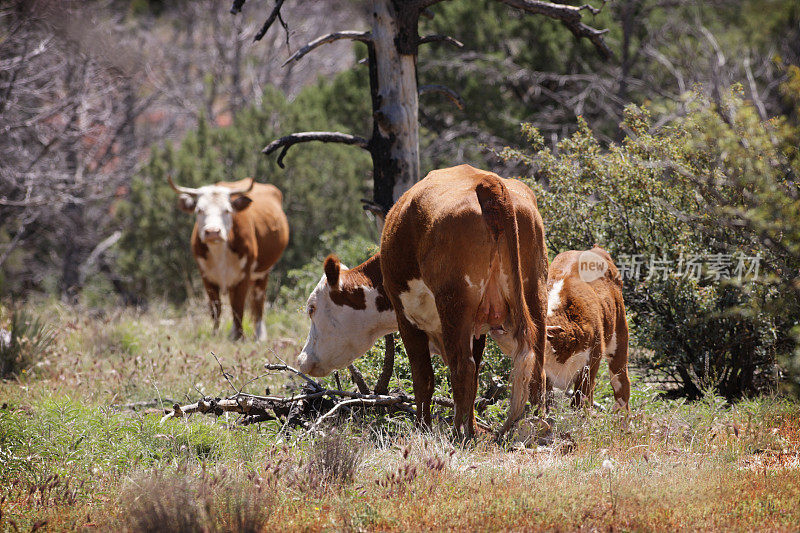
68, 461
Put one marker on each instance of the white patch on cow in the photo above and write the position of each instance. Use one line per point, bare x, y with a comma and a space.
340, 334
562, 374
257, 293
214, 212
256, 275
554, 297
222, 266
419, 307
616, 383
611, 347
261, 331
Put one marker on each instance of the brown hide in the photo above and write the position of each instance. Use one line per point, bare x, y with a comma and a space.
463, 254
259, 236
347, 287
590, 317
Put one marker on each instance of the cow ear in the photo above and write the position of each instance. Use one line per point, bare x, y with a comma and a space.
553, 330
187, 202
240, 203
332, 269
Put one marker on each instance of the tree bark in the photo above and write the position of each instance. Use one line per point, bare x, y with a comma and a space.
395, 134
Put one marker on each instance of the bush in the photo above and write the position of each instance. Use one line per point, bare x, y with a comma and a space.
684, 210
23, 344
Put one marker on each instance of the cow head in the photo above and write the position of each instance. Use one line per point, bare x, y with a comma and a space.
214, 206
349, 312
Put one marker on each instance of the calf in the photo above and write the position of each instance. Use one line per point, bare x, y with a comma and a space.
585, 322
462, 255
240, 233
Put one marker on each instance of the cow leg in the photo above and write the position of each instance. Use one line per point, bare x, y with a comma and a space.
419, 357
458, 349
535, 298
238, 297
478, 345
618, 369
583, 393
259, 291
523, 359
214, 303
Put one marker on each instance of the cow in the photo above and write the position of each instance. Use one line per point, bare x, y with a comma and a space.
240, 233
462, 255
586, 322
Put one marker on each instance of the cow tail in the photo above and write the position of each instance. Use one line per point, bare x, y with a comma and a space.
498, 212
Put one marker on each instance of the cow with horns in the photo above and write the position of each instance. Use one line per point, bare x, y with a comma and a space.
239, 235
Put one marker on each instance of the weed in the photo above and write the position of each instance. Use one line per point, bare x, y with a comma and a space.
334, 459
24, 343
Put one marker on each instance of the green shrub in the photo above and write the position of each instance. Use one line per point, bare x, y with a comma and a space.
713, 185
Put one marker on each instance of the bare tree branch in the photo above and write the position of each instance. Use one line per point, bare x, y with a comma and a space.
323, 136
436, 38
358, 379
276, 11
570, 16
237, 6
447, 91
382, 387
362, 36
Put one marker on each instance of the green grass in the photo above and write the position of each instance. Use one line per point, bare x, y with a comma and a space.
69, 459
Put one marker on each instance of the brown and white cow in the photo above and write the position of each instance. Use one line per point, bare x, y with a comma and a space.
240, 233
462, 255
586, 322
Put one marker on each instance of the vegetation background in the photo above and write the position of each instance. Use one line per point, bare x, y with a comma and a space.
686, 142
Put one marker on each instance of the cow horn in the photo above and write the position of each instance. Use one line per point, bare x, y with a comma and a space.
244, 190
181, 190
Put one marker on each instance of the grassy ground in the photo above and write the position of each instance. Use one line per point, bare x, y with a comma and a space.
69, 460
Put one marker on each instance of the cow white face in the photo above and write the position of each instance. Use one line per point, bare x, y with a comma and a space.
214, 208
345, 323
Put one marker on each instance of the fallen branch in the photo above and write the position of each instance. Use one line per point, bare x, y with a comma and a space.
309, 409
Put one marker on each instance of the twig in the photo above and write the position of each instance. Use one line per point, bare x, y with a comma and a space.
225, 374
436, 38
447, 91
362, 36
270, 19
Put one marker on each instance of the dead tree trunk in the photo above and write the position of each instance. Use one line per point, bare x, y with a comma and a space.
392, 44
395, 134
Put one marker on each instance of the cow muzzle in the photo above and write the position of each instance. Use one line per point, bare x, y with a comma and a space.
212, 235
307, 365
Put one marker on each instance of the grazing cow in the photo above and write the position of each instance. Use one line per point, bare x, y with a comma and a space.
586, 321
462, 255
240, 233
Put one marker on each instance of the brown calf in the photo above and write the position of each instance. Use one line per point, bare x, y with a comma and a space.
585, 322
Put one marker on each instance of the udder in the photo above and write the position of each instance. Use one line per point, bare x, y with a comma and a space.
493, 309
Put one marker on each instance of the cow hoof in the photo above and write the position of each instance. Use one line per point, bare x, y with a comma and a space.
234, 335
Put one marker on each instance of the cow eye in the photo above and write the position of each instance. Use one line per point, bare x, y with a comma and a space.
311, 309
